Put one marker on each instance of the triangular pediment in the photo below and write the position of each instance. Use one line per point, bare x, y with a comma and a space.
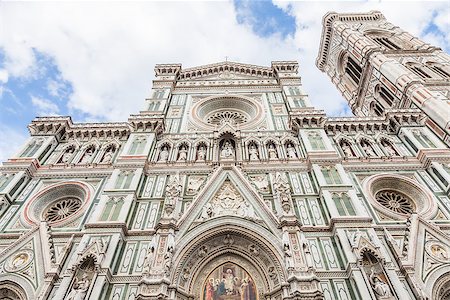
228, 193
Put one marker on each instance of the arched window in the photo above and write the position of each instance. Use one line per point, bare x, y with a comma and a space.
316, 141
112, 209
376, 108
353, 70
386, 43
438, 69
138, 145
343, 204
331, 175
124, 180
384, 94
418, 70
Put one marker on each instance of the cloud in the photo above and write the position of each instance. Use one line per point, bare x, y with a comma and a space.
44, 107
11, 140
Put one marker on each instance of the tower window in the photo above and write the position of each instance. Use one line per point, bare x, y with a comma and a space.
438, 70
385, 95
418, 70
353, 69
386, 42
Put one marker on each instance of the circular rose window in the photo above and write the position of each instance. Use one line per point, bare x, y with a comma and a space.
233, 110
398, 196
62, 209
395, 201
58, 204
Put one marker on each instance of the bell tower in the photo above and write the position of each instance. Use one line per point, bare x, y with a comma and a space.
380, 69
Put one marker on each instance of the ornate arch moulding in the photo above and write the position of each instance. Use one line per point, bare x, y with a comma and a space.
39, 205
227, 240
400, 194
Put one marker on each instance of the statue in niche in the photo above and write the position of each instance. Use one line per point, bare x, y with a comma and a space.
164, 154
368, 149
66, 156
107, 158
272, 152
288, 259
148, 260
87, 156
253, 151
173, 194
291, 151
380, 287
389, 148
227, 150
347, 150
248, 211
182, 153
168, 260
201, 153
80, 288
283, 192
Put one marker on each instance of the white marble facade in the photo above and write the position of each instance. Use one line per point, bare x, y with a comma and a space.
231, 185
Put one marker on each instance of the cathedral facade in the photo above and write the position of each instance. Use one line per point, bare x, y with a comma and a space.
230, 185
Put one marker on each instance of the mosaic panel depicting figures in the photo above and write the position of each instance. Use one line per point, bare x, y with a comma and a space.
229, 282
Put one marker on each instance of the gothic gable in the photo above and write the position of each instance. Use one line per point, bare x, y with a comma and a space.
228, 193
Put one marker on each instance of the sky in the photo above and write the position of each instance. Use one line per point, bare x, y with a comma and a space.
95, 61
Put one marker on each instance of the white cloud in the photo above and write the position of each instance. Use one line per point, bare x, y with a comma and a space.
10, 141
44, 107
3, 76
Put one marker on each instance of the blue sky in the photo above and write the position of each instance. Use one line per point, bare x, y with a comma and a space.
94, 61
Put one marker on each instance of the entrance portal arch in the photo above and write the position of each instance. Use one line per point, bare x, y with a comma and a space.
228, 241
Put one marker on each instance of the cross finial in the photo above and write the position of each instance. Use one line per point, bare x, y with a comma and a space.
226, 58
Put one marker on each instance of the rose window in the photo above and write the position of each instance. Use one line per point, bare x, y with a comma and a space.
227, 117
395, 201
62, 209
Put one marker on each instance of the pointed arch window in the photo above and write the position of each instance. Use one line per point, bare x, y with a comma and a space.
112, 209
316, 141
438, 69
138, 145
384, 94
124, 180
354, 70
331, 175
386, 43
343, 204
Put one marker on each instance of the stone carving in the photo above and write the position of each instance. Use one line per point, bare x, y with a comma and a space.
87, 156
227, 150
389, 148
253, 152
381, 288
201, 153
346, 148
202, 251
19, 261
66, 156
182, 153
173, 195
168, 260
194, 184
228, 240
272, 152
164, 154
107, 158
79, 288
261, 182
288, 259
228, 201
368, 149
148, 260
291, 153
438, 250
283, 192
253, 249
